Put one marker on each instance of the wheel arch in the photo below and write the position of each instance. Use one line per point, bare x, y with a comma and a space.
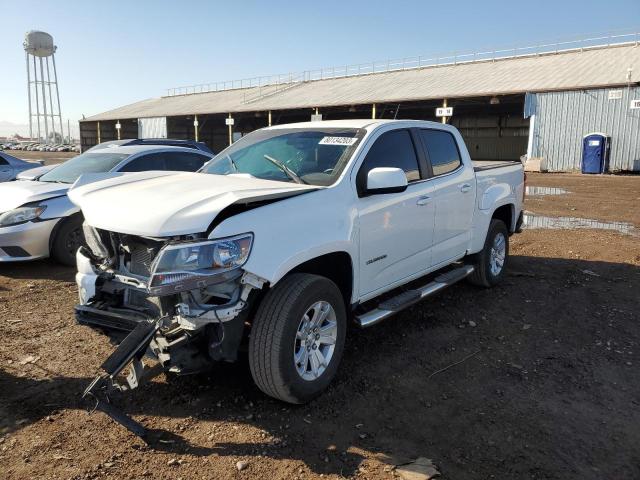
63, 221
336, 266
506, 214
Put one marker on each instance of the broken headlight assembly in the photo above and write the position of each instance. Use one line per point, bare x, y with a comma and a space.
186, 266
21, 215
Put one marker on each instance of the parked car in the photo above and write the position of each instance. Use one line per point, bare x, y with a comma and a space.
37, 218
11, 166
155, 141
281, 238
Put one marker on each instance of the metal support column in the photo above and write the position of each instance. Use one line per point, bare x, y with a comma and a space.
44, 103
269, 117
532, 132
55, 77
98, 127
35, 84
29, 90
444, 105
53, 128
230, 131
373, 111
195, 126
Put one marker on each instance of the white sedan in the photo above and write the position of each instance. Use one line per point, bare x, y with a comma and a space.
11, 166
37, 219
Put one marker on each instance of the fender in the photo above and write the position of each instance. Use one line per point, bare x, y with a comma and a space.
495, 196
292, 231
87, 178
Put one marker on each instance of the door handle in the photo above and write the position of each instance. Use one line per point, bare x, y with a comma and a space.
464, 188
423, 200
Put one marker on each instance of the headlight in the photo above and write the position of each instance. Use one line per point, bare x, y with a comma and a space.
21, 215
187, 266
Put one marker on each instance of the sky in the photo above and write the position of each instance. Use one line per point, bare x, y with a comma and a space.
117, 52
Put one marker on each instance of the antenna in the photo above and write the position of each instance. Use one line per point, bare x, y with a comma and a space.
38, 48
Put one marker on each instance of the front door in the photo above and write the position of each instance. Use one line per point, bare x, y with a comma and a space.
395, 228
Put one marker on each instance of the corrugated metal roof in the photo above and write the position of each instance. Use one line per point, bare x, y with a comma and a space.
598, 67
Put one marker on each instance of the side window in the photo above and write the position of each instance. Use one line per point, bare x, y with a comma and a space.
442, 149
391, 149
185, 161
151, 161
3, 161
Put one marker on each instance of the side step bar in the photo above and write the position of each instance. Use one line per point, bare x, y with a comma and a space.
410, 297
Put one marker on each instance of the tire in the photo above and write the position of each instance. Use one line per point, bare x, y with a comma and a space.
279, 333
486, 273
68, 238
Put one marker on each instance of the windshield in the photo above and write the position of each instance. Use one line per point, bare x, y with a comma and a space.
88, 162
312, 156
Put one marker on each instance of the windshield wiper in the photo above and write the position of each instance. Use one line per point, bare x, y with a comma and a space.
290, 173
233, 163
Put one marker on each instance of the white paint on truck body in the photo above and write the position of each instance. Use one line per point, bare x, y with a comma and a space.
390, 238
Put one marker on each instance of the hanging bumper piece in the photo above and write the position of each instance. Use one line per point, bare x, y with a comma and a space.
129, 352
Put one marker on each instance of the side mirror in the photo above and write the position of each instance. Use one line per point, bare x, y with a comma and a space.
386, 180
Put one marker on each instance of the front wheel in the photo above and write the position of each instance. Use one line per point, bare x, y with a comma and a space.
297, 338
491, 262
67, 240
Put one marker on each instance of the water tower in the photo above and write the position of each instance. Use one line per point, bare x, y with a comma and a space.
39, 47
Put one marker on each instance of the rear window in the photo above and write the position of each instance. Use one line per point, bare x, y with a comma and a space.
442, 149
185, 161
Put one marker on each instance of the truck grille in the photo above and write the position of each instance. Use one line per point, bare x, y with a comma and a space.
141, 259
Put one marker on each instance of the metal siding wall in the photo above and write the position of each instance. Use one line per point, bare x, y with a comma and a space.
152, 127
563, 118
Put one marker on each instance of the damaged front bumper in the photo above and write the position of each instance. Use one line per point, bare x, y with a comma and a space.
182, 334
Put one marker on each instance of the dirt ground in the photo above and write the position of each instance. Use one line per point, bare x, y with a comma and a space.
49, 158
535, 379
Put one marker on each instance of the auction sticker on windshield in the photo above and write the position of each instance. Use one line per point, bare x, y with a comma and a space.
345, 141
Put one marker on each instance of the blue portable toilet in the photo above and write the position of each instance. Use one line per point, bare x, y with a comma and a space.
595, 153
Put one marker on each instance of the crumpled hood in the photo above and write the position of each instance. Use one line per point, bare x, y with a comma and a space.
15, 194
162, 204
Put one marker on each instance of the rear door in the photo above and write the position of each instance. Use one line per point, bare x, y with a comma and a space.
454, 186
145, 162
395, 228
185, 161
176, 161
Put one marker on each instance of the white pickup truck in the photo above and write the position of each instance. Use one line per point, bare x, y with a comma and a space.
284, 237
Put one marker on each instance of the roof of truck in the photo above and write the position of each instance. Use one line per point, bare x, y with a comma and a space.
354, 123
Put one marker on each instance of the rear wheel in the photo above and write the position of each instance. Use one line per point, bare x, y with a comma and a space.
68, 238
491, 262
297, 338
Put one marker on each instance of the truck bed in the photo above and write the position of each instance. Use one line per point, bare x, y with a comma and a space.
481, 165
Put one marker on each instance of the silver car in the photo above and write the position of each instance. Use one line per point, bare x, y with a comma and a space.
11, 166
38, 220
